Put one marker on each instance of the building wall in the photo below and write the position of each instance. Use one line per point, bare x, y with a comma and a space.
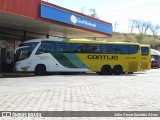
27, 8
7, 48
31, 9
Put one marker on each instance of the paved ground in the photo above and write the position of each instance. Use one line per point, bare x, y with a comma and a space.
84, 92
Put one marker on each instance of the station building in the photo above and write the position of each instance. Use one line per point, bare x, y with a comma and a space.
21, 20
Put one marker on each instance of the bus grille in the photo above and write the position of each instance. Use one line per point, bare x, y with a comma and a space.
144, 65
133, 66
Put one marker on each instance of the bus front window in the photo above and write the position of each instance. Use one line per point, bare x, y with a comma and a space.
24, 51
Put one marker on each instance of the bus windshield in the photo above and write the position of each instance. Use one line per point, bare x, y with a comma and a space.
25, 50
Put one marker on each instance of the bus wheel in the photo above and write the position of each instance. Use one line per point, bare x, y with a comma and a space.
117, 70
106, 70
40, 69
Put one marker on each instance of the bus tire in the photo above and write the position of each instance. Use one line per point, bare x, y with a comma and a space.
117, 70
40, 69
106, 70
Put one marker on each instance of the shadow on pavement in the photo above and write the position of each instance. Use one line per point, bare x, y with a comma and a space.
14, 75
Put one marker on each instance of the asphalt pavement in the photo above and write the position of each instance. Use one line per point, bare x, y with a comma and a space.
82, 92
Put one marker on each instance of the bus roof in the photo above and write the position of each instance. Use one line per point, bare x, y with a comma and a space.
89, 41
45, 39
96, 42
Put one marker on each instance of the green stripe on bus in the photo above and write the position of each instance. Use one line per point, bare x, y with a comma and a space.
75, 60
63, 60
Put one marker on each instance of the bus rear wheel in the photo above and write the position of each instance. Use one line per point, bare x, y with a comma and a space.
106, 70
40, 69
117, 70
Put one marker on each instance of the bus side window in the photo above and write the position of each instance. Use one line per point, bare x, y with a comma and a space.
133, 49
40, 50
75, 48
45, 47
82, 48
50, 48
122, 49
62, 48
66, 48
109, 49
91, 48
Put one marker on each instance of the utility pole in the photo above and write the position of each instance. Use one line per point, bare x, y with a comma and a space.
115, 25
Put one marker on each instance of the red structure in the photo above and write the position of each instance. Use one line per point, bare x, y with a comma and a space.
29, 10
26, 8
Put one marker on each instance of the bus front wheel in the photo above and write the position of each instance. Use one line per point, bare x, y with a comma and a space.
106, 70
40, 69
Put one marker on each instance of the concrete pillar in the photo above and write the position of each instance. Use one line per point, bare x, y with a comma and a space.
47, 36
24, 35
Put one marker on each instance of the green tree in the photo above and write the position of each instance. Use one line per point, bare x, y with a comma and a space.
93, 13
139, 38
154, 29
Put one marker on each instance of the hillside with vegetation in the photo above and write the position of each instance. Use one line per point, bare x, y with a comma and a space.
153, 41
143, 32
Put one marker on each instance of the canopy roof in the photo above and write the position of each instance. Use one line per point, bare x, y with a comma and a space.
155, 52
31, 19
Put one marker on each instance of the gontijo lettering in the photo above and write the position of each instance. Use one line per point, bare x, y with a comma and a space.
101, 57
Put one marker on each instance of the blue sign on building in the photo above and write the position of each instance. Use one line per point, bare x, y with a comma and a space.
73, 19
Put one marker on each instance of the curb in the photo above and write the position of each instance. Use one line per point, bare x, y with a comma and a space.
16, 74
